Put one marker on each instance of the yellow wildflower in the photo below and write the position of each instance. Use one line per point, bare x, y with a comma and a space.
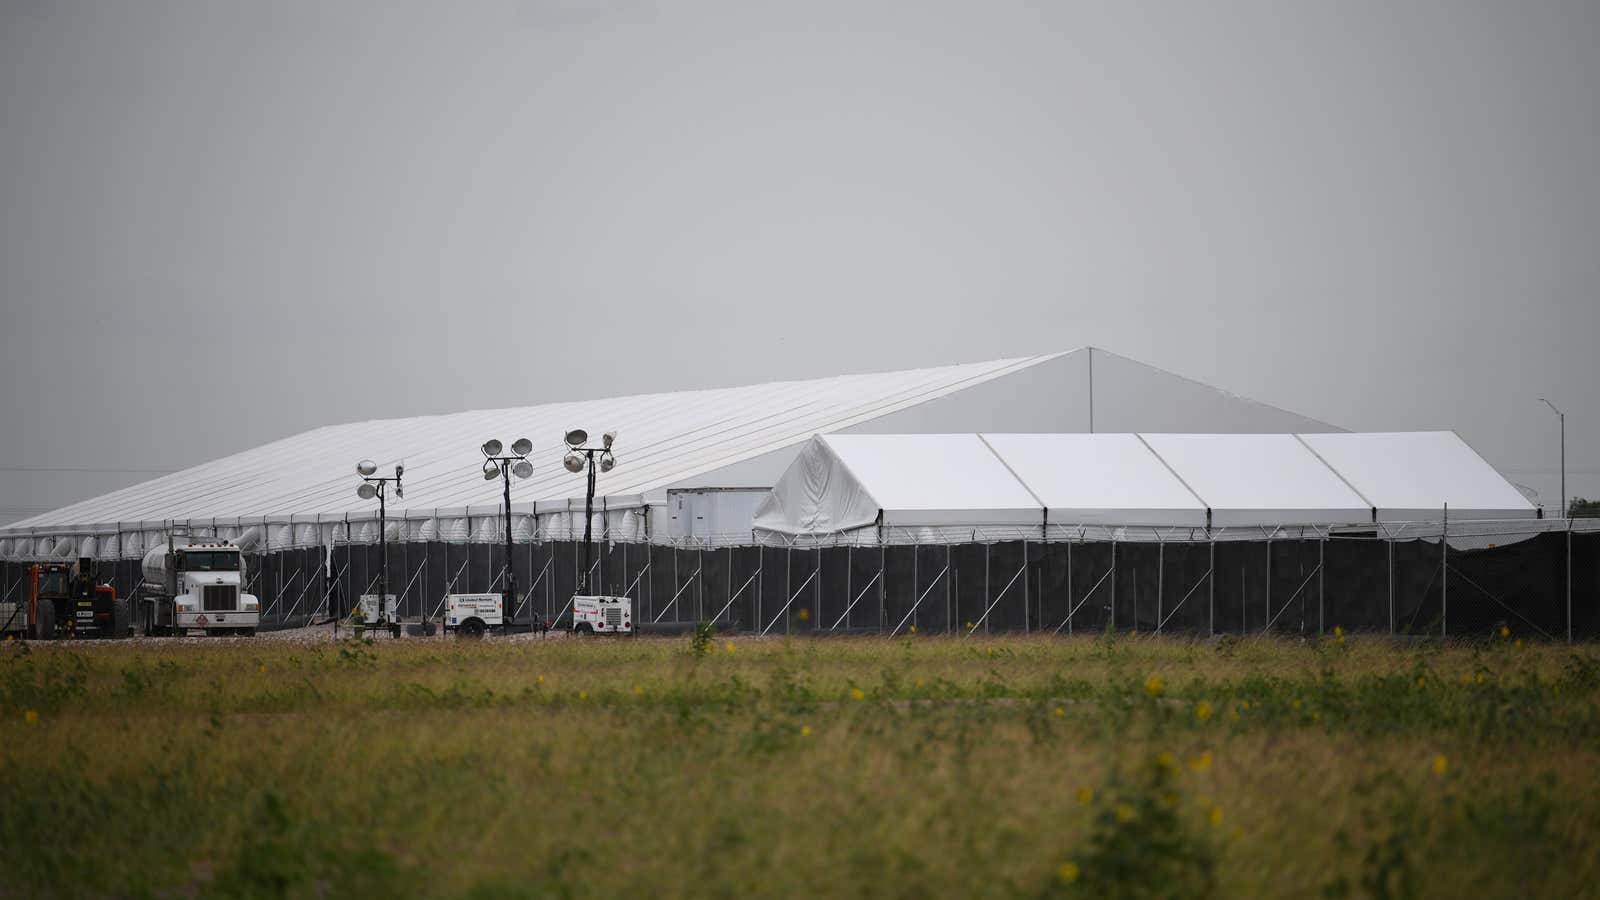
1085, 796
1421, 681
804, 613
31, 717
261, 668
1480, 678
1233, 715
728, 646
1169, 799
1060, 712
1202, 711
857, 694
1215, 816
1124, 812
1067, 872
1337, 631
541, 679
805, 730
1505, 632
1295, 703
1166, 760
583, 695
970, 626
913, 629
1155, 684
1466, 677
1247, 704
1440, 765
638, 691
919, 682
1517, 643
1202, 762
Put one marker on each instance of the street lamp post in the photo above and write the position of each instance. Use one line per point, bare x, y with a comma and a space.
505, 466
582, 459
373, 485
1563, 417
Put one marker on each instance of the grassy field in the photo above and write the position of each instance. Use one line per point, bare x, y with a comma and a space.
1090, 766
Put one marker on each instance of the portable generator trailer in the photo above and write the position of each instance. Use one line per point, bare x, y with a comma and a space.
473, 615
197, 587
602, 615
66, 600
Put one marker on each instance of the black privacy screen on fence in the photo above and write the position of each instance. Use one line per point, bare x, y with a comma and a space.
1544, 585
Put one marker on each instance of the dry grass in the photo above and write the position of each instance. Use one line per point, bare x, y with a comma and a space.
641, 767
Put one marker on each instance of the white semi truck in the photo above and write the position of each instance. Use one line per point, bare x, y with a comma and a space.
197, 586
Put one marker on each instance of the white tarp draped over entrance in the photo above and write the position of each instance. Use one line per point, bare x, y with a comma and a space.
845, 482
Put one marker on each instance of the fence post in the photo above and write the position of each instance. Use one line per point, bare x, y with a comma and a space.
1025, 628
1322, 575
1444, 574
1069, 585
1211, 583
1389, 543
1269, 584
1113, 618
1569, 576
883, 580
1161, 577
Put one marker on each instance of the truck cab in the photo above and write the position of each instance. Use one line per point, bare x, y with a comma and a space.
602, 615
199, 586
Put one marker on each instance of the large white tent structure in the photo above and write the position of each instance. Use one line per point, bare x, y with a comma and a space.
1068, 490
914, 487
686, 459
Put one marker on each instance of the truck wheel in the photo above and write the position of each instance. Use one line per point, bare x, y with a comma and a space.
471, 628
44, 628
121, 619
584, 628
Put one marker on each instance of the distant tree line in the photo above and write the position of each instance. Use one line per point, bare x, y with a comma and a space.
1583, 509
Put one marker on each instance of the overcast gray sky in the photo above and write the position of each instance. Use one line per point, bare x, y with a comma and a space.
223, 223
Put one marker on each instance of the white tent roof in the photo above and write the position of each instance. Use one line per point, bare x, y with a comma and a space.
1410, 476
1260, 479
842, 482
934, 479
1098, 479
665, 439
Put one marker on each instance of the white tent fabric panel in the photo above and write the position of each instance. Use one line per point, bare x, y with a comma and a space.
1410, 476
817, 495
936, 479
1259, 479
1098, 479
846, 481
